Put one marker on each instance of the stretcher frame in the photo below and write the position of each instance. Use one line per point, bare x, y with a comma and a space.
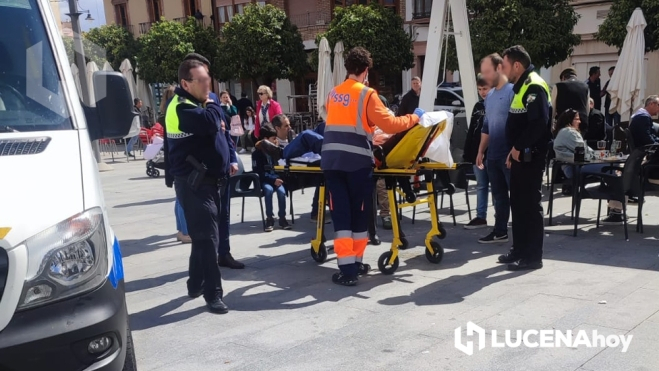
388, 261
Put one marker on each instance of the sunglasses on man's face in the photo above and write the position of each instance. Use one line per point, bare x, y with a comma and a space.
261, 93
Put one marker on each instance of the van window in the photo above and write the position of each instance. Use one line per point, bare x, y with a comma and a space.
31, 97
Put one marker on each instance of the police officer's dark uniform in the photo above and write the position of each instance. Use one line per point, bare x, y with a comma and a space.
527, 129
194, 132
572, 93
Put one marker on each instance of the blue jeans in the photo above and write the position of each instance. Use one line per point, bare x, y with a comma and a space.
499, 176
181, 225
131, 143
586, 169
268, 192
482, 192
307, 141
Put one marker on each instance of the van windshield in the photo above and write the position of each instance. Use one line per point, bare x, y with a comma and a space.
31, 96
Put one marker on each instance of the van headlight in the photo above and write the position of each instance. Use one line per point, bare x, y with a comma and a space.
67, 259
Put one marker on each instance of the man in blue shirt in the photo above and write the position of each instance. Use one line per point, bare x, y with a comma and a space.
198, 159
493, 139
224, 249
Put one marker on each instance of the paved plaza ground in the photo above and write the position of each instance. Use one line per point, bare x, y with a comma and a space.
287, 315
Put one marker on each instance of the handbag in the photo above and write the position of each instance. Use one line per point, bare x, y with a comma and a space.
236, 126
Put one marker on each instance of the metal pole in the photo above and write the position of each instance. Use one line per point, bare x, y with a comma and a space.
79, 53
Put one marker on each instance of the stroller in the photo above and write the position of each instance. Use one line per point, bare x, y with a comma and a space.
155, 157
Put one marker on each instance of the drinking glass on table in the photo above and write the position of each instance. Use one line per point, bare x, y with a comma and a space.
615, 146
601, 145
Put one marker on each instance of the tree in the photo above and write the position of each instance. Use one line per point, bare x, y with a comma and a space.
92, 52
161, 51
385, 38
262, 45
614, 28
543, 27
116, 41
206, 42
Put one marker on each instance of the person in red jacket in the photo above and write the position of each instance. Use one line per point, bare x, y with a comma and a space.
266, 108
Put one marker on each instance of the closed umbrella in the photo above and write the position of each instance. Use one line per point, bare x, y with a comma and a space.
325, 81
91, 68
626, 83
76, 78
126, 69
145, 93
339, 64
107, 67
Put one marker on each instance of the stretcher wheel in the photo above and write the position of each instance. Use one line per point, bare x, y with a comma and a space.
153, 173
442, 231
322, 253
437, 255
383, 263
404, 243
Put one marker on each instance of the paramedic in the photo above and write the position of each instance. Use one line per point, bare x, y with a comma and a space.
199, 161
527, 130
347, 160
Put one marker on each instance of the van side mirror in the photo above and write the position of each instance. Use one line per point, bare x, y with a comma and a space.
456, 103
113, 115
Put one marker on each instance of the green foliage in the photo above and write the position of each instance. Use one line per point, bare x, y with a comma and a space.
263, 45
543, 27
375, 28
117, 43
92, 52
614, 29
162, 49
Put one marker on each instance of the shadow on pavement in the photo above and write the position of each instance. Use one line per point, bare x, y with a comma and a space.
146, 203
157, 316
148, 244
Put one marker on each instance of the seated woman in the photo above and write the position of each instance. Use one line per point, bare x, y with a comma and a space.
567, 139
263, 164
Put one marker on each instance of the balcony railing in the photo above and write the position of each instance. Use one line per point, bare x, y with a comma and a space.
145, 27
182, 20
128, 27
421, 15
310, 19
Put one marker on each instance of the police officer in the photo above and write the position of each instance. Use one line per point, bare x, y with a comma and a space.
527, 130
571, 93
353, 110
199, 161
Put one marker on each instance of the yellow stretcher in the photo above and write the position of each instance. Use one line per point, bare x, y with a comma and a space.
401, 161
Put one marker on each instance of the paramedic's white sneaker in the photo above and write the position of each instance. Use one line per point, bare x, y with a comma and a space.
242, 151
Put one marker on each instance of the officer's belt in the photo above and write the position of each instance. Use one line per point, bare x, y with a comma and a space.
219, 182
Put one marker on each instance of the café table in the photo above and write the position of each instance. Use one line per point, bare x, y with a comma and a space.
576, 170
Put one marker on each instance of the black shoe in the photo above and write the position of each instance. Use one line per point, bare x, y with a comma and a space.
567, 190
525, 265
613, 219
269, 225
342, 280
374, 240
283, 223
476, 223
129, 154
363, 269
217, 306
193, 294
494, 238
229, 262
508, 258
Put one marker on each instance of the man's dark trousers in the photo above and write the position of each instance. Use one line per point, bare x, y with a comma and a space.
201, 208
224, 213
526, 207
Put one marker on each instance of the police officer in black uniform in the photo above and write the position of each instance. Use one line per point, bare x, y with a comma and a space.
199, 161
527, 130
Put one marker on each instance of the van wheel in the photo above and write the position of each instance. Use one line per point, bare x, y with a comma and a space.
130, 364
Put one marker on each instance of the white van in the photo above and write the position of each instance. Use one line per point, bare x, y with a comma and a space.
62, 298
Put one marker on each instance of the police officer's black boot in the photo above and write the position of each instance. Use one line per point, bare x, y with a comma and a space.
229, 262
217, 306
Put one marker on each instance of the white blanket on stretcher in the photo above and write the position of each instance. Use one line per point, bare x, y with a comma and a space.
306, 158
440, 148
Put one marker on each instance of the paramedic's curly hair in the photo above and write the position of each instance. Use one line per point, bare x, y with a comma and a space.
358, 60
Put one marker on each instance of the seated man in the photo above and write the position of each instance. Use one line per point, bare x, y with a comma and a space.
263, 164
597, 127
642, 129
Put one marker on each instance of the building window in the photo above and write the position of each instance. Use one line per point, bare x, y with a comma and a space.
422, 9
155, 9
121, 14
190, 7
225, 14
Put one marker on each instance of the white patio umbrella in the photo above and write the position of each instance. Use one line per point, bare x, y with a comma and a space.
339, 66
325, 81
627, 81
91, 68
126, 69
107, 67
76, 78
145, 93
